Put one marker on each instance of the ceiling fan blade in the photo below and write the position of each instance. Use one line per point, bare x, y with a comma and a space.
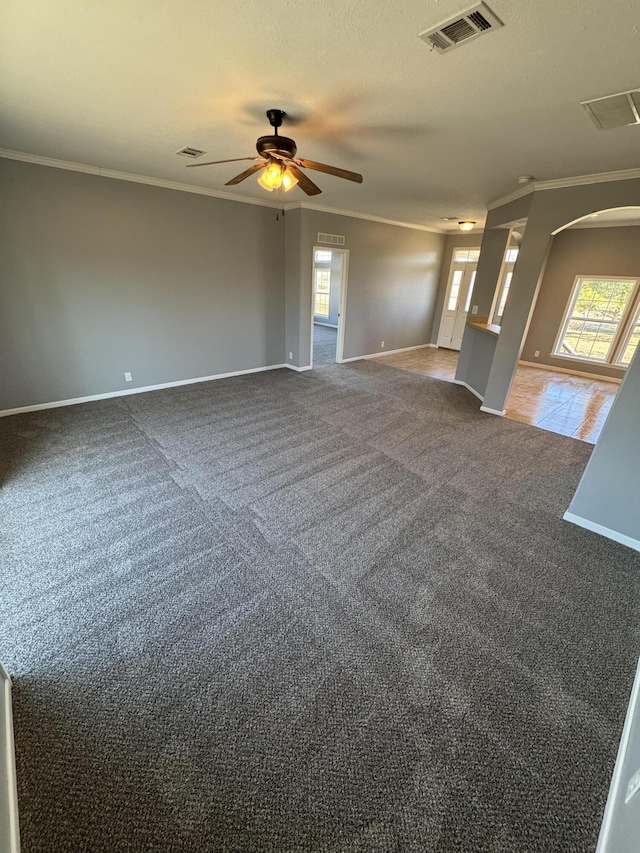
216, 162
330, 170
246, 174
304, 182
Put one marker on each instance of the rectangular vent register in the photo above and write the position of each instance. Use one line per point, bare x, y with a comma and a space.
460, 29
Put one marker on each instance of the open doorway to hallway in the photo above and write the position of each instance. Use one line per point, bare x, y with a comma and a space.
328, 305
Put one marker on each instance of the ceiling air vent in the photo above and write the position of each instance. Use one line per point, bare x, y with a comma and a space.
331, 239
192, 153
464, 27
614, 110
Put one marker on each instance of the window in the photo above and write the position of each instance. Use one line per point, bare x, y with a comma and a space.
323, 257
456, 281
510, 258
462, 257
466, 256
470, 291
631, 341
321, 292
602, 321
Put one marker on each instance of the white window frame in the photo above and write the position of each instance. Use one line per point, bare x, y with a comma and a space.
323, 293
634, 320
622, 334
462, 266
506, 268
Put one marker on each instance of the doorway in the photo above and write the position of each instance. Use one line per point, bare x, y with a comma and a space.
458, 297
328, 303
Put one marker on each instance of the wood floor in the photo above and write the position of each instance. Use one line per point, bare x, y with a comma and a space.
558, 402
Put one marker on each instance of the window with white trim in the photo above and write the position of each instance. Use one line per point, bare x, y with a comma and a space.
510, 258
461, 257
321, 292
602, 321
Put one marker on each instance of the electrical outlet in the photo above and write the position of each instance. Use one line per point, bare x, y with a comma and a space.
474, 310
128, 377
536, 354
290, 356
381, 344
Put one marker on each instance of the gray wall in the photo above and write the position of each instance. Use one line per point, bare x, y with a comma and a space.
609, 491
99, 277
392, 283
475, 359
452, 241
545, 212
294, 276
585, 251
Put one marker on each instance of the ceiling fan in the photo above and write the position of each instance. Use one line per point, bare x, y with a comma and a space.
279, 165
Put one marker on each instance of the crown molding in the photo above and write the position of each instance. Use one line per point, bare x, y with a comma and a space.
321, 208
516, 194
561, 183
70, 166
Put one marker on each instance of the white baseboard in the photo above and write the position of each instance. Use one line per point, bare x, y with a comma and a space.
433, 346
489, 411
110, 394
469, 388
554, 369
384, 352
298, 369
622, 538
9, 831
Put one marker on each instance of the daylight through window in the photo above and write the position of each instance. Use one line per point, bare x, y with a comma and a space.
602, 322
322, 293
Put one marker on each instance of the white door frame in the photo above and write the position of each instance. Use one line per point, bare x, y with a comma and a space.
462, 296
342, 314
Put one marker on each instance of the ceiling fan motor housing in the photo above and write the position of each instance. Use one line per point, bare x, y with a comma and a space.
280, 145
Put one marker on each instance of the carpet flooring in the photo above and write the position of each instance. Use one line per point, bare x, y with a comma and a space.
324, 345
334, 611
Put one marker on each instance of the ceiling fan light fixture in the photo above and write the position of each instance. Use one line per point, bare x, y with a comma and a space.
272, 175
289, 180
263, 183
466, 225
277, 165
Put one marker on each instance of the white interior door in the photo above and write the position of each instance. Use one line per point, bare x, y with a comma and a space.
458, 298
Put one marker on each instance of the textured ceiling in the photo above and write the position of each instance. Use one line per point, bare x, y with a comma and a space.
122, 84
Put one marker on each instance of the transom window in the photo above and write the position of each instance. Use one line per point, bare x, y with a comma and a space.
602, 321
466, 256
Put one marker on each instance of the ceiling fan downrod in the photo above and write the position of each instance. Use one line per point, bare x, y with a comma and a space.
276, 118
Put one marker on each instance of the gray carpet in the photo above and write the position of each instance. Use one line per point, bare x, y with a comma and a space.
334, 611
324, 345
